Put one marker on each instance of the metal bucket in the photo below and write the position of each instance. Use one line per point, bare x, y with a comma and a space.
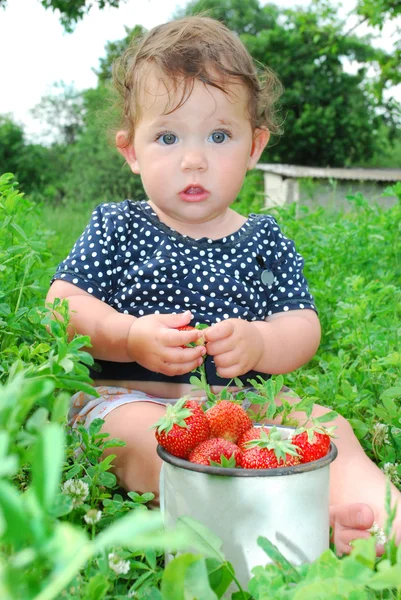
289, 506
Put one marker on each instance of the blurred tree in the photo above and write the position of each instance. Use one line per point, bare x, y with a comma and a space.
61, 114
114, 50
331, 116
36, 167
72, 11
97, 172
378, 14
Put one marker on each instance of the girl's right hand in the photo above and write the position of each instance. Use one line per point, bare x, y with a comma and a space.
155, 343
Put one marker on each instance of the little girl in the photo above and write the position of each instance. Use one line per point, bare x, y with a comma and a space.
196, 119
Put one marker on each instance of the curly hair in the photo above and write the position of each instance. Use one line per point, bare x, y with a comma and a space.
189, 49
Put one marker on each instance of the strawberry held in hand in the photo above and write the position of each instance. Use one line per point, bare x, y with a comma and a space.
312, 443
200, 341
212, 451
183, 427
269, 452
227, 420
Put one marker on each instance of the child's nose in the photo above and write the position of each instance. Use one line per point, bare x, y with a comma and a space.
194, 159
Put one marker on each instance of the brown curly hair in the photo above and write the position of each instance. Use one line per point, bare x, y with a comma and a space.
189, 49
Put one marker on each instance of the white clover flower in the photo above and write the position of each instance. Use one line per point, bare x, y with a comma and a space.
77, 489
117, 564
93, 516
378, 533
390, 469
380, 434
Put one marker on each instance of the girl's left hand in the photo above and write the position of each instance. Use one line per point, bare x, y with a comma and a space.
236, 346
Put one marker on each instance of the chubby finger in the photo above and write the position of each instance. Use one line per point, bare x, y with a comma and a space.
172, 369
182, 355
344, 538
174, 337
219, 331
354, 516
228, 366
220, 347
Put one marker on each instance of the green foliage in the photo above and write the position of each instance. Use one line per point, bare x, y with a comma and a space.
377, 14
65, 528
35, 166
72, 11
62, 111
97, 171
114, 50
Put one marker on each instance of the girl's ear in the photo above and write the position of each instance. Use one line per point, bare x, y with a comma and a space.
127, 150
260, 139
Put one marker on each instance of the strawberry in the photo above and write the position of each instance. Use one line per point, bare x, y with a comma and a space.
213, 450
269, 452
312, 442
199, 342
251, 434
183, 427
227, 420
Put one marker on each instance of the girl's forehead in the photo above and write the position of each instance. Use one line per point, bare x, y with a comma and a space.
162, 94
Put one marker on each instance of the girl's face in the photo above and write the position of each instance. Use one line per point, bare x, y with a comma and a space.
193, 161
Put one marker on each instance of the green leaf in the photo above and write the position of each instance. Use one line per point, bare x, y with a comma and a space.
62, 505
47, 464
389, 577
96, 588
275, 555
109, 480
330, 416
95, 426
220, 575
393, 392
37, 421
138, 527
196, 582
173, 581
201, 537
60, 408
8, 464
18, 529
360, 428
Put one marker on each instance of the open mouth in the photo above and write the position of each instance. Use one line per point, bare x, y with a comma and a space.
194, 193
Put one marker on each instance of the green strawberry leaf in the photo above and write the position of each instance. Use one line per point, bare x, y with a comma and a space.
226, 463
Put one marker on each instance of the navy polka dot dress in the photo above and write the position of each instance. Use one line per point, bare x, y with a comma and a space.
128, 258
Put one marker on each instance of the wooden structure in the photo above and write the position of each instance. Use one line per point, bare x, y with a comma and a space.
281, 182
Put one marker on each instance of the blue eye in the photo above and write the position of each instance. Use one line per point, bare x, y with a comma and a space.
218, 137
167, 139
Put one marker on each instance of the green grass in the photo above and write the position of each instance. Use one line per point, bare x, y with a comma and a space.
47, 549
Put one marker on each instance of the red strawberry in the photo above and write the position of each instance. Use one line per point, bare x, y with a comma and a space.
212, 451
263, 458
251, 434
183, 427
313, 443
269, 452
228, 420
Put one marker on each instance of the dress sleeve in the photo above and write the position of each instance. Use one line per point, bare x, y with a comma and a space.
289, 290
89, 265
